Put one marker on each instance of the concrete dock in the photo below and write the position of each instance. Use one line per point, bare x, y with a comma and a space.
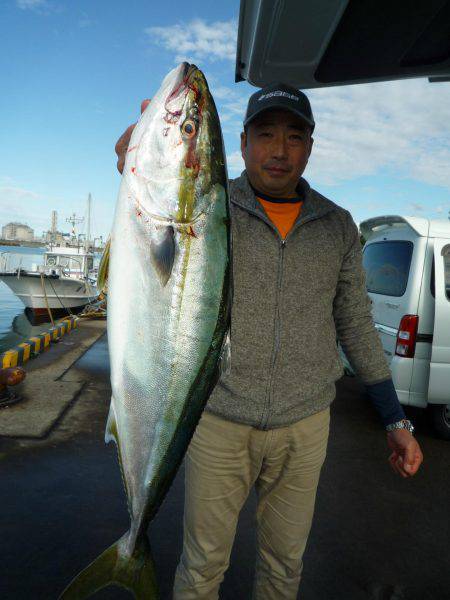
375, 536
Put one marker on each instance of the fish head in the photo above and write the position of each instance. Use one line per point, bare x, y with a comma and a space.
176, 152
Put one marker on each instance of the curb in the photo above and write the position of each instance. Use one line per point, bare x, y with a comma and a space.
37, 344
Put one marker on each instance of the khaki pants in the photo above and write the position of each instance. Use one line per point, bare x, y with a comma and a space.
223, 462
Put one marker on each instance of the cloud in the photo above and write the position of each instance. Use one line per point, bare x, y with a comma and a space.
22, 205
400, 127
98, 108
17, 203
42, 7
32, 4
235, 164
197, 40
231, 103
84, 21
9, 195
221, 92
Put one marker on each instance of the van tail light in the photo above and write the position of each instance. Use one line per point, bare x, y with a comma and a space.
406, 336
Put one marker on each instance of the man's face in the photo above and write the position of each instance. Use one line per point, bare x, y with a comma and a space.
276, 150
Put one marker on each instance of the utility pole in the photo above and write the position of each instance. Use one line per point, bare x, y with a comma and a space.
53, 228
54, 222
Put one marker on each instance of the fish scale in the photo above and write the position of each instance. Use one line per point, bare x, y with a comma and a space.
169, 300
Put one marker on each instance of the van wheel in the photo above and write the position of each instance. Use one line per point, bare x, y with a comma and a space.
440, 418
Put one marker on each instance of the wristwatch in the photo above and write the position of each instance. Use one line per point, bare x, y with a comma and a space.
403, 424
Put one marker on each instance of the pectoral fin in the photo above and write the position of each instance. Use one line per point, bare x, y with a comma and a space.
103, 268
162, 253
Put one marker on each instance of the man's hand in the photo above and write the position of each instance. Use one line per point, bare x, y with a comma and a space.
124, 140
407, 456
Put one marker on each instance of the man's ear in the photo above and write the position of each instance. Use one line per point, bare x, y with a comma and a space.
311, 142
243, 144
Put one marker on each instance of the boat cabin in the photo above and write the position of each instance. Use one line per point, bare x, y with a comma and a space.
73, 262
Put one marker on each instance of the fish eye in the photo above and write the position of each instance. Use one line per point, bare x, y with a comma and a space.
189, 129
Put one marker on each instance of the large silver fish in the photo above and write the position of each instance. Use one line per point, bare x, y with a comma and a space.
168, 309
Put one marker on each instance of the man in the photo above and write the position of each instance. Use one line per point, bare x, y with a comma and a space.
298, 281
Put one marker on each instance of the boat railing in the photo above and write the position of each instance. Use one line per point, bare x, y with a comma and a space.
10, 262
13, 263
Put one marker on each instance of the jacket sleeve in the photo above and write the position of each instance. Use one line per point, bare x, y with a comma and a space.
384, 399
352, 314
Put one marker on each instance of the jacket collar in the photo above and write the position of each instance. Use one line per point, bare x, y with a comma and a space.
314, 204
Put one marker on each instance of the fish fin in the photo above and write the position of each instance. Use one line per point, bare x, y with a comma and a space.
162, 254
136, 573
225, 355
103, 268
111, 434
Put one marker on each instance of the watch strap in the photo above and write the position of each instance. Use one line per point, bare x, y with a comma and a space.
403, 424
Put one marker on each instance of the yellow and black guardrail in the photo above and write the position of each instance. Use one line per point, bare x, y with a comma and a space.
36, 344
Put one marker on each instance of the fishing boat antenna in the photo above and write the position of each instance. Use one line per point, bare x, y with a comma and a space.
88, 225
74, 220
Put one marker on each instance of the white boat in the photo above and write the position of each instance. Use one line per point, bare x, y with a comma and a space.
64, 284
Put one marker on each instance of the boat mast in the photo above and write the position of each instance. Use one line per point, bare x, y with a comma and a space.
88, 224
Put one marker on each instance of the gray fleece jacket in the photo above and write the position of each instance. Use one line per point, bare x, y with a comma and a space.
292, 298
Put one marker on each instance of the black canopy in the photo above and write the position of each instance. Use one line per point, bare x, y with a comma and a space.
316, 43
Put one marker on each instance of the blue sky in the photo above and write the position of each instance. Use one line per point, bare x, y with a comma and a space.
74, 73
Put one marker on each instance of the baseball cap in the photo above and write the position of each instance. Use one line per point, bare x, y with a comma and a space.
281, 96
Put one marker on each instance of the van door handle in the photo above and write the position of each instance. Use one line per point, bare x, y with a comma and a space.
384, 329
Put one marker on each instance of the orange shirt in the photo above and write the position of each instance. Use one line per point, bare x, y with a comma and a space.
282, 214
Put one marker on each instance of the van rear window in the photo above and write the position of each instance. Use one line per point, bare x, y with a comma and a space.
387, 267
446, 254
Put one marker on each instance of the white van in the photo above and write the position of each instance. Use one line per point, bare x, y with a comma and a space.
407, 263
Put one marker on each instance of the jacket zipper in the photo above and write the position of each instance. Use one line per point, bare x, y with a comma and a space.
277, 335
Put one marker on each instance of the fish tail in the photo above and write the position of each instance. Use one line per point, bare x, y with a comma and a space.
134, 572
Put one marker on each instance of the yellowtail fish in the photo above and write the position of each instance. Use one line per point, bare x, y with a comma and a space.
169, 300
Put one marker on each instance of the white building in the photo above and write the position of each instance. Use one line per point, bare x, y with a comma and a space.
17, 232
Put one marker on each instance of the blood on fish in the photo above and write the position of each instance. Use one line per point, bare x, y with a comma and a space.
172, 117
137, 209
191, 160
175, 91
132, 148
184, 83
133, 169
194, 88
